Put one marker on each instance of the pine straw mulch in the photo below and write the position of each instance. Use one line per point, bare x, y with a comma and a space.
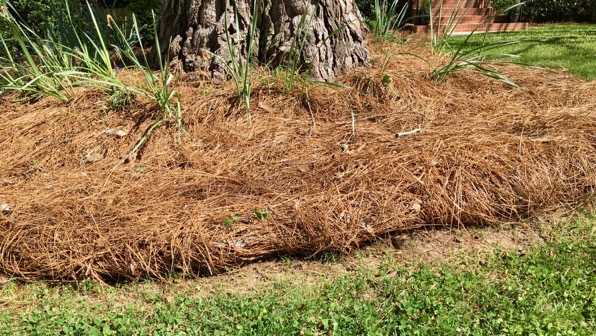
487, 154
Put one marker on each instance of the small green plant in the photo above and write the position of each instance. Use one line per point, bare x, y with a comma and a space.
143, 11
229, 222
472, 59
240, 68
99, 74
159, 86
387, 79
291, 66
440, 31
120, 100
51, 64
331, 257
261, 215
476, 61
388, 17
78, 57
37, 72
287, 260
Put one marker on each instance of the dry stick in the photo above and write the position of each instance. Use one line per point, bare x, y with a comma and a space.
403, 134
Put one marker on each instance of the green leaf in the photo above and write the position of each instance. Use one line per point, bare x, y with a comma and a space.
228, 222
262, 215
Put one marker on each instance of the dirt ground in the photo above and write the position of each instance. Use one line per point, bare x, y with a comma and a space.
408, 250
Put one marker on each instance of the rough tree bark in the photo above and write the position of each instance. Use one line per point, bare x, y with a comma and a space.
191, 30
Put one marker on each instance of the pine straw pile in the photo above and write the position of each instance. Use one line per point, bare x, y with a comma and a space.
486, 154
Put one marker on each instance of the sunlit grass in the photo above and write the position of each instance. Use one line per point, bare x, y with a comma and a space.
569, 46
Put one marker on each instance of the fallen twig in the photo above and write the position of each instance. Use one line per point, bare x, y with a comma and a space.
403, 134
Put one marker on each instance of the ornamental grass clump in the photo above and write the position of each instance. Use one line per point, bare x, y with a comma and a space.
73, 56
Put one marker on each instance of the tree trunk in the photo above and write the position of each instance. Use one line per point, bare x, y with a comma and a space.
192, 32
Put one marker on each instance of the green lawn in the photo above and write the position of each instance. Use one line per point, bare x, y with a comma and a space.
545, 290
569, 46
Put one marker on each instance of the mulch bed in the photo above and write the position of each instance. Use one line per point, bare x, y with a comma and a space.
486, 153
